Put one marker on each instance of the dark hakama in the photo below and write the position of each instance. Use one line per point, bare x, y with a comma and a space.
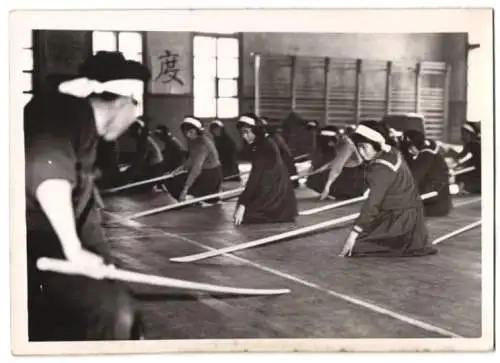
147, 164
470, 156
61, 143
269, 195
209, 181
348, 165
286, 156
173, 156
298, 138
204, 167
75, 308
391, 222
138, 165
317, 182
228, 154
107, 162
431, 174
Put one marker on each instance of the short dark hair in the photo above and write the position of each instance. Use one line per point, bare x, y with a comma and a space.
185, 127
414, 137
259, 129
358, 139
108, 66
374, 125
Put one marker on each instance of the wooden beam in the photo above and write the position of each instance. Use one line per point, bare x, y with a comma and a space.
456, 232
113, 273
277, 237
418, 81
359, 64
293, 83
326, 90
388, 87
256, 71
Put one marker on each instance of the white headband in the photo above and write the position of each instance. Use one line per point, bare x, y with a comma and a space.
247, 120
84, 87
469, 128
218, 123
328, 133
194, 122
395, 133
372, 135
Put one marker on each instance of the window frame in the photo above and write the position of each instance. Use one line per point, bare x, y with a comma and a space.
116, 34
238, 79
31, 72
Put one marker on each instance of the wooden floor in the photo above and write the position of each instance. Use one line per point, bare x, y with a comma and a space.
331, 297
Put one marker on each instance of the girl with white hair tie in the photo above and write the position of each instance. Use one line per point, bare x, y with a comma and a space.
204, 172
391, 221
227, 149
470, 157
269, 195
430, 172
346, 177
62, 130
324, 153
285, 152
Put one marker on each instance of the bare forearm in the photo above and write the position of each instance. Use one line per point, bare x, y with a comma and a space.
54, 196
332, 176
337, 165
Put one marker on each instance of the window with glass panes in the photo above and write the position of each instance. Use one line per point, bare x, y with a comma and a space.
128, 43
27, 67
474, 78
216, 73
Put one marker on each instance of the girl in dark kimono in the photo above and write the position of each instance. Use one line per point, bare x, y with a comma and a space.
346, 178
470, 156
173, 152
391, 222
204, 172
228, 152
148, 159
269, 195
63, 218
107, 169
430, 172
313, 128
323, 155
285, 153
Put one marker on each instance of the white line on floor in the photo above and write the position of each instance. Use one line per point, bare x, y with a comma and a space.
465, 202
140, 236
216, 304
353, 300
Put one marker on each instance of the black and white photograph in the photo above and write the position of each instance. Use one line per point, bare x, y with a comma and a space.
252, 180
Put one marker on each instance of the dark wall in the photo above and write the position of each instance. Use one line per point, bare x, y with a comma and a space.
169, 110
168, 102
59, 52
450, 48
364, 46
455, 54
